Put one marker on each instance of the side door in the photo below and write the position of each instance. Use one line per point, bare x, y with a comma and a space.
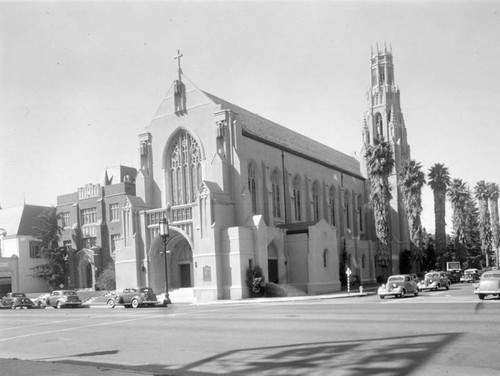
127, 295
51, 300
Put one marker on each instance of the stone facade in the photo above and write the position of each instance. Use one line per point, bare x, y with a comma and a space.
240, 191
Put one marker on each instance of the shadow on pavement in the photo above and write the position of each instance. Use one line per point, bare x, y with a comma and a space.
374, 356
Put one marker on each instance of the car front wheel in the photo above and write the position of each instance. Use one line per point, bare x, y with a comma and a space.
58, 305
111, 303
382, 296
135, 303
481, 296
13, 305
416, 291
403, 293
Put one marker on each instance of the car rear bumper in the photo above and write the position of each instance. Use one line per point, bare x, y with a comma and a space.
487, 292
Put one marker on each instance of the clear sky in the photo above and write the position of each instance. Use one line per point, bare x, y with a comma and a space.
79, 81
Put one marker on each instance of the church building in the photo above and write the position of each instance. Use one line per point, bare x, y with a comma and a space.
240, 191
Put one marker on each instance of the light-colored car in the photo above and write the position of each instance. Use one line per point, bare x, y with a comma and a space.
435, 281
489, 284
399, 285
63, 298
16, 300
470, 275
134, 297
41, 300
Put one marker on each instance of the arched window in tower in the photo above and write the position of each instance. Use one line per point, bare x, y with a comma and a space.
296, 197
381, 75
185, 169
331, 205
252, 185
316, 200
379, 126
275, 182
347, 210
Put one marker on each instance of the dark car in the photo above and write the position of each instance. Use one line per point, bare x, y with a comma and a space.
134, 297
16, 300
454, 276
63, 298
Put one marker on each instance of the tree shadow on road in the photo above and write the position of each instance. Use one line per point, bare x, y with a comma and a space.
373, 356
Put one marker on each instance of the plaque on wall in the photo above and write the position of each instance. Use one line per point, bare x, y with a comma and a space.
207, 274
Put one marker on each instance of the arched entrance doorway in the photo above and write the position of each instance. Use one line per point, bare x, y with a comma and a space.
179, 263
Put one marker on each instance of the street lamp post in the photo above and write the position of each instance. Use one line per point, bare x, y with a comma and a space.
164, 233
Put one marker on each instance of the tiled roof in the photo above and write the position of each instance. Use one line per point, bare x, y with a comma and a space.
268, 131
20, 220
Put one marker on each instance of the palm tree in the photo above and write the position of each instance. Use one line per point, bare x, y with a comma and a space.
439, 179
494, 192
380, 162
411, 181
482, 195
458, 193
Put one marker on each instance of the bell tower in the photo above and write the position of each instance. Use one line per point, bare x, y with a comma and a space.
384, 119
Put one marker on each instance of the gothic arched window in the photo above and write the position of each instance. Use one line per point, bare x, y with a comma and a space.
296, 195
331, 204
360, 213
316, 202
252, 185
275, 182
347, 209
185, 169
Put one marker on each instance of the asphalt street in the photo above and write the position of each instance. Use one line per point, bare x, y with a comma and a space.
441, 333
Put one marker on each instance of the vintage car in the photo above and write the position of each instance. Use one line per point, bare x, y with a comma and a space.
454, 275
434, 281
134, 297
41, 300
399, 286
16, 300
470, 275
489, 284
63, 298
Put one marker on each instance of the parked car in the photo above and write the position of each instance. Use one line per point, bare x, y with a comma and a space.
489, 284
63, 298
40, 301
16, 300
470, 275
434, 281
134, 297
454, 275
399, 286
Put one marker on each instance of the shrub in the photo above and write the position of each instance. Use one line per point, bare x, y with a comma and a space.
107, 280
255, 281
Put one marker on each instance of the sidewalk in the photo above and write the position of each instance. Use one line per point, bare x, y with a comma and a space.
354, 293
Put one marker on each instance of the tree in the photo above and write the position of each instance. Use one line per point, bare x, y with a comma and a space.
482, 195
55, 269
411, 181
107, 280
439, 179
494, 192
458, 193
471, 235
380, 162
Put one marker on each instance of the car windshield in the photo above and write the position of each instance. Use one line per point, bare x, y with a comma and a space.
395, 279
431, 275
490, 275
